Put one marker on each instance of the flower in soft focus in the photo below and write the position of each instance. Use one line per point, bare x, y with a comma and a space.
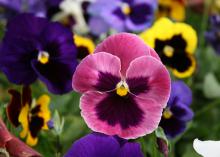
125, 87
36, 48
41, 8
213, 35
178, 112
74, 15
175, 43
207, 148
174, 9
121, 15
100, 145
13, 146
85, 46
33, 115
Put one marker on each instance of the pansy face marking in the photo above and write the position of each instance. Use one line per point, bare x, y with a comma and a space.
175, 43
125, 87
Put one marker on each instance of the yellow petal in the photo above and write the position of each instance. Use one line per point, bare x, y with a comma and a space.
177, 11
23, 119
84, 42
44, 113
31, 141
189, 71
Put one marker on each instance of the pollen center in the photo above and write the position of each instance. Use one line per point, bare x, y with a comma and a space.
126, 9
167, 114
43, 57
168, 51
122, 88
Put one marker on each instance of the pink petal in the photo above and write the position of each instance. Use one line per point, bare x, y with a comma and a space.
16, 148
4, 134
88, 71
158, 78
152, 115
127, 47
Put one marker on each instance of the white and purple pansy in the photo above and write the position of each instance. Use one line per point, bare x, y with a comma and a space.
121, 15
125, 87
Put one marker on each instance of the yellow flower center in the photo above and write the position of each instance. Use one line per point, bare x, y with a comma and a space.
168, 51
167, 114
43, 57
126, 9
122, 88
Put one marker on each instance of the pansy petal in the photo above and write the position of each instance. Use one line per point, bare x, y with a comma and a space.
26, 95
17, 148
181, 111
131, 150
207, 148
59, 69
14, 107
94, 145
127, 47
151, 74
100, 71
181, 91
5, 136
128, 118
172, 127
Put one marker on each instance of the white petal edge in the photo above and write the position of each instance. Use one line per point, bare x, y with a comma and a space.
207, 148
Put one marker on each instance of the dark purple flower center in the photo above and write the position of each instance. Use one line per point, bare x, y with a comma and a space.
120, 106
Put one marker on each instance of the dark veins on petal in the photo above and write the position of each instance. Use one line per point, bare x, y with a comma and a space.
124, 111
106, 82
35, 125
138, 85
180, 59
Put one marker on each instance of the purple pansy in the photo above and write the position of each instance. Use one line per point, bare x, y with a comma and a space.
40, 8
35, 48
178, 112
213, 35
122, 15
100, 145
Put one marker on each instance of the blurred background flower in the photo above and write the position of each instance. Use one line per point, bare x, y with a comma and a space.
121, 15
177, 113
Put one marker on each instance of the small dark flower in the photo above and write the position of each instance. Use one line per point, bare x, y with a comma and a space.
213, 35
13, 146
100, 145
33, 115
36, 48
178, 112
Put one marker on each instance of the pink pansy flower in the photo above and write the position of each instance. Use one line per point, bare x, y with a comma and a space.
125, 87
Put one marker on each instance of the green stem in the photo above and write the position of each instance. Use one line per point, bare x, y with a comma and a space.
58, 146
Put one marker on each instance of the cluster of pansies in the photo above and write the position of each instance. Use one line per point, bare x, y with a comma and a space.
131, 64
